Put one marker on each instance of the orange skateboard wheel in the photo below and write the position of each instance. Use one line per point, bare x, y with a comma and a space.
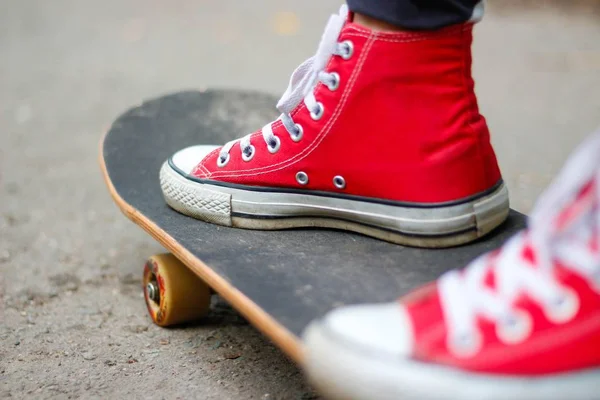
173, 293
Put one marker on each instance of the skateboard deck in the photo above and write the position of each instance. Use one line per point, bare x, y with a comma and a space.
278, 280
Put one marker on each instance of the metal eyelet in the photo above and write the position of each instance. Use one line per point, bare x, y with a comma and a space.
299, 132
221, 162
302, 178
335, 84
465, 344
275, 148
339, 182
563, 308
349, 46
514, 328
318, 113
248, 157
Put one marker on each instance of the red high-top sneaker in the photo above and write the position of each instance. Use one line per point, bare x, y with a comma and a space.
522, 322
380, 133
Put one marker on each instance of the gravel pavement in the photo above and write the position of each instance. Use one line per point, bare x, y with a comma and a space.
72, 318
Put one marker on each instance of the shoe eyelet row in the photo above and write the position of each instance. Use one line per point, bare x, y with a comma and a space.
517, 327
315, 114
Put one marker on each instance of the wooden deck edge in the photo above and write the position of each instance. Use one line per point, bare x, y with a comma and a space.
280, 335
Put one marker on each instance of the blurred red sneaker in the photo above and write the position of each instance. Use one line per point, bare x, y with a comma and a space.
380, 133
522, 322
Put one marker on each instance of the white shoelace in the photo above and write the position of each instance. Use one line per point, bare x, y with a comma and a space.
464, 295
303, 81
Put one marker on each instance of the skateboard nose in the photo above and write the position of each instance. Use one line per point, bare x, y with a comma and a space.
186, 159
378, 328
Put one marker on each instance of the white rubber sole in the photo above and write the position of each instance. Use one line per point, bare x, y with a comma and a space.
341, 372
442, 226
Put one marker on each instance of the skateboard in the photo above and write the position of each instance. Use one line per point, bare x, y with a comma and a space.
278, 280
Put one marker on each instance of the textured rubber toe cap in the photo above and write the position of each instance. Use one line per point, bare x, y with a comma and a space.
190, 157
378, 328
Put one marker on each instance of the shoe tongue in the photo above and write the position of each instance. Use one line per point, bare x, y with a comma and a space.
527, 255
573, 191
584, 202
578, 222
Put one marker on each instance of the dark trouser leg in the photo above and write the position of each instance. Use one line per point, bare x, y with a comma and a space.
420, 14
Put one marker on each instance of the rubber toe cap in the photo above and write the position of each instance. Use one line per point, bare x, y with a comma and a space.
187, 159
378, 328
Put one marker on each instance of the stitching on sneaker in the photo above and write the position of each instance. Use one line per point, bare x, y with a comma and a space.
409, 36
352, 31
322, 134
